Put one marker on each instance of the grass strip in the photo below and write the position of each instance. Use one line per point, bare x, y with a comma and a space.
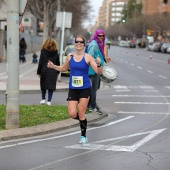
33, 115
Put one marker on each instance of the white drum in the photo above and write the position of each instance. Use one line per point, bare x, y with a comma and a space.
109, 74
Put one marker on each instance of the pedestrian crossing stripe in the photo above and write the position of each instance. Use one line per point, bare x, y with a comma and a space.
111, 147
120, 87
146, 87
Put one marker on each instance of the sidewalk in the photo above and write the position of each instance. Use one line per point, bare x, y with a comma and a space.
30, 84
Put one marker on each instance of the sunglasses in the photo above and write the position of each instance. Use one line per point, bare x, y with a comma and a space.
81, 42
100, 35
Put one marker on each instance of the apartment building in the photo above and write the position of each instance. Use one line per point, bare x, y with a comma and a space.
103, 15
116, 8
151, 7
110, 12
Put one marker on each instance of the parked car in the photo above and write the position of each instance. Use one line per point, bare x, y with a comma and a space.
157, 46
150, 47
142, 44
164, 47
124, 43
132, 44
168, 49
68, 49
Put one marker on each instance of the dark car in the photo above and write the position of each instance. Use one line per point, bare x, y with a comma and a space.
132, 44
157, 46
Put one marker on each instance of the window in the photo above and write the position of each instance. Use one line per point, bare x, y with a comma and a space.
165, 2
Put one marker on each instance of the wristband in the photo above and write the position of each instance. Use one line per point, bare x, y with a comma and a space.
99, 65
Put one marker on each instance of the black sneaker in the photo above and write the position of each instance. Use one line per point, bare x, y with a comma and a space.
97, 111
90, 108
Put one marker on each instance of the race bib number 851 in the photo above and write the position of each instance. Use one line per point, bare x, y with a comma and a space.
77, 81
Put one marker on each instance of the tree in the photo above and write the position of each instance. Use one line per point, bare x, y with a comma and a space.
132, 9
46, 11
158, 24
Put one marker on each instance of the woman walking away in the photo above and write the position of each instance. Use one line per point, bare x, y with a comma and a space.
48, 77
79, 82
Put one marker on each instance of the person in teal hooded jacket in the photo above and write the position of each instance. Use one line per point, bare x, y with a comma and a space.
96, 49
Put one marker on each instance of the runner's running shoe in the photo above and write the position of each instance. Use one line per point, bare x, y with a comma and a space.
83, 140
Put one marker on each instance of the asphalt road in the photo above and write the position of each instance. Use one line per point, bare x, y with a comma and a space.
135, 135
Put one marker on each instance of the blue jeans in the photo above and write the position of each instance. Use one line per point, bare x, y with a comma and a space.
22, 56
50, 94
95, 82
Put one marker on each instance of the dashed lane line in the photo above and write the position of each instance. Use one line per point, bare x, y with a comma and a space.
147, 96
144, 113
146, 103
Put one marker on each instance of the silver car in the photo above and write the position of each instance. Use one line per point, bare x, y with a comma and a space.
164, 47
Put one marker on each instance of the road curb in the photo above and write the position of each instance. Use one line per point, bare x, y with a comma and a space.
47, 128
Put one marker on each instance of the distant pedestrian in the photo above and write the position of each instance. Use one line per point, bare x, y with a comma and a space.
22, 50
79, 82
109, 43
48, 77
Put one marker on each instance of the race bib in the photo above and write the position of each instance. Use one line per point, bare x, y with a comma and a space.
77, 81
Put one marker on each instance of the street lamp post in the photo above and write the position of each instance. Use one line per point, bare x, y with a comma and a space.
12, 87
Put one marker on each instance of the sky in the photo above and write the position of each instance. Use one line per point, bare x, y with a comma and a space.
95, 6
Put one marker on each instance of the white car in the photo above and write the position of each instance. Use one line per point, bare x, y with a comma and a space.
150, 47
68, 49
168, 49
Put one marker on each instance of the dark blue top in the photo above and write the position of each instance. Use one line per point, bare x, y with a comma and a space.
79, 78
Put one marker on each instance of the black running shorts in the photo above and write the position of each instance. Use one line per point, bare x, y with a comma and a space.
76, 94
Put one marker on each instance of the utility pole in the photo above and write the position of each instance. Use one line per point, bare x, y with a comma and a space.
12, 86
62, 40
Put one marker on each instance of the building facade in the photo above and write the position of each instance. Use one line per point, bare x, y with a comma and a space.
103, 17
116, 8
110, 12
151, 7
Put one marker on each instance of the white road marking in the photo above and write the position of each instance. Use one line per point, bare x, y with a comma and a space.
149, 96
122, 90
146, 87
120, 87
4, 73
23, 65
97, 146
135, 87
157, 113
141, 103
139, 67
163, 77
149, 71
34, 68
61, 136
4, 77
